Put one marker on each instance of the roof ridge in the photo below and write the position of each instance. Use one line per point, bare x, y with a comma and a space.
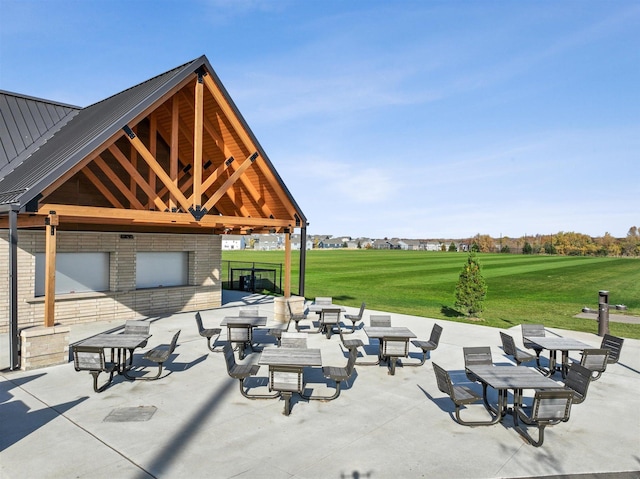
40, 100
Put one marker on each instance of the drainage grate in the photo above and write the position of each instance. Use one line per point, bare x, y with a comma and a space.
131, 414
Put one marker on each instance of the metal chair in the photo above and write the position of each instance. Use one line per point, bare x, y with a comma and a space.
510, 349
354, 318
614, 345
296, 317
242, 372
549, 407
596, 361
460, 395
208, 333
355, 344
278, 331
476, 356
92, 359
533, 331
160, 355
578, 380
427, 346
337, 374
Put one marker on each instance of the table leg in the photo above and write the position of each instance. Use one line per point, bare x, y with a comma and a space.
565, 364
287, 402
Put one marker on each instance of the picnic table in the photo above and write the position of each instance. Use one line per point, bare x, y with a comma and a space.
394, 343
502, 378
118, 343
286, 366
555, 344
240, 330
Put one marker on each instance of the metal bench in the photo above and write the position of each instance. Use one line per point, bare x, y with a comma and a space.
460, 395
549, 407
160, 354
427, 346
242, 372
91, 358
510, 349
208, 333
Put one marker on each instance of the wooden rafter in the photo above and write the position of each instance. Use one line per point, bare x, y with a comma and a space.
130, 195
102, 188
229, 113
140, 181
224, 148
159, 171
230, 181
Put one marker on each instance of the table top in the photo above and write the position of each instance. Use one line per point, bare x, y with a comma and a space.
278, 356
108, 340
248, 321
317, 308
513, 377
558, 343
388, 332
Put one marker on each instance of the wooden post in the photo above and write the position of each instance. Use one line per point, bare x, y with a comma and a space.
287, 263
197, 142
50, 269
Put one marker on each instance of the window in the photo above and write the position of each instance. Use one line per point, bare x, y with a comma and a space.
155, 270
75, 272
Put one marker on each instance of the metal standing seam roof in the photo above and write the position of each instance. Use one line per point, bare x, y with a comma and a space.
26, 123
86, 129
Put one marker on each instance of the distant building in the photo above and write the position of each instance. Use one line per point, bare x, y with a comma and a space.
233, 242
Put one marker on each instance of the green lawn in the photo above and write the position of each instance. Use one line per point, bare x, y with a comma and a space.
521, 288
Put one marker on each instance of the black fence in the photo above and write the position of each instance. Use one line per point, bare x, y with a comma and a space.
252, 277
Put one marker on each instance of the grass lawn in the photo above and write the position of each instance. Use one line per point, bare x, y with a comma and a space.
521, 288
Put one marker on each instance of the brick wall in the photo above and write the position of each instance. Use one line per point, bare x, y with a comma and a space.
122, 301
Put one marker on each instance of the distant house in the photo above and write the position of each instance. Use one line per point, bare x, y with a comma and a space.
233, 242
295, 242
268, 242
332, 243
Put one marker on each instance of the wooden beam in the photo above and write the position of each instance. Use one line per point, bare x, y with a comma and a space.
248, 142
155, 166
130, 195
173, 146
71, 213
76, 168
101, 187
50, 270
230, 181
197, 141
153, 143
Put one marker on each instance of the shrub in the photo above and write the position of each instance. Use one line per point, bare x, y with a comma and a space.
471, 289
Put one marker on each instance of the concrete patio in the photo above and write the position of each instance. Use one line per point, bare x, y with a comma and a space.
193, 422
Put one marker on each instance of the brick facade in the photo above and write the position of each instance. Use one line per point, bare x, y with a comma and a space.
123, 301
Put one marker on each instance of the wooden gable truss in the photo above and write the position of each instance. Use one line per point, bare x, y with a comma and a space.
187, 163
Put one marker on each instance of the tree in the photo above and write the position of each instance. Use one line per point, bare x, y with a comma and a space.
471, 289
452, 247
527, 248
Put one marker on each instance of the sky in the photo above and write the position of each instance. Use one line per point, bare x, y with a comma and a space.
411, 119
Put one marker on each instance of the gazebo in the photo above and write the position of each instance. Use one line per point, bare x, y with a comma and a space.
115, 210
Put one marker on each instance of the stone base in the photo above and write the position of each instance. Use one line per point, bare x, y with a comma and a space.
280, 310
42, 346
